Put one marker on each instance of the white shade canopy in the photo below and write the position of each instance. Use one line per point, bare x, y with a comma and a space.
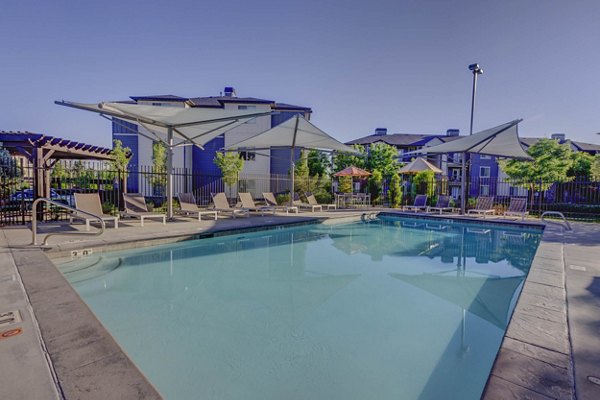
418, 165
500, 141
195, 126
296, 132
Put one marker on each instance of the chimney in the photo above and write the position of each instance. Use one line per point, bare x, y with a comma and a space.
229, 91
558, 136
380, 131
452, 132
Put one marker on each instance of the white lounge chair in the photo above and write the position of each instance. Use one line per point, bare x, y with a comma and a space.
222, 205
188, 206
248, 203
271, 201
90, 203
443, 204
298, 203
135, 207
517, 207
483, 206
310, 198
419, 204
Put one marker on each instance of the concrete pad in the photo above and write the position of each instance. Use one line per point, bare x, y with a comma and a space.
533, 374
501, 389
539, 332
548, 356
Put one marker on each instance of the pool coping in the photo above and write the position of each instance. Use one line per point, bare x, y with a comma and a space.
87, 359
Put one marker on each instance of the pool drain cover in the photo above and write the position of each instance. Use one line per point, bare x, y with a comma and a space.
10, 333
9, 318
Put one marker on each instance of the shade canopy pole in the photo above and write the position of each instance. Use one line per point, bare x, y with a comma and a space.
292, 163
463, 186
170, 173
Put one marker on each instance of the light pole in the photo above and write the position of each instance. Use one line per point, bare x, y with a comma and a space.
477, 70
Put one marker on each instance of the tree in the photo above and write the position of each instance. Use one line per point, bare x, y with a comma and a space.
8, 165
375, 182
302, 174
425, 179
230, 165
383, 157
395, 192
345, 185
551, 162
157, 177
318, 163
581, 165
120, 161
343, 160
595, 167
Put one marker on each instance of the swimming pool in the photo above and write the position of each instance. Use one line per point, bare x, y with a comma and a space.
391, 309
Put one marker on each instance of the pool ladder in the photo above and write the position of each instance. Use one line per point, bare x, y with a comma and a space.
77, 213
558, 214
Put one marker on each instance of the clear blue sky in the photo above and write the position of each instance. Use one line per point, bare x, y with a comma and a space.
358, 64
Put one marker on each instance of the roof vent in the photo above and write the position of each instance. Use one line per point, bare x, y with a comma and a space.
229, 91
380, 131
452, 132
558, 136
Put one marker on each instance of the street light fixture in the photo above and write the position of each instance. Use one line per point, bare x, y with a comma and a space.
477, 70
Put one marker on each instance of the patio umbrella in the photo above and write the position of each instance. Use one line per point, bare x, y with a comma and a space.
353, 171
500, 141
173, 126
295, 133
417, 165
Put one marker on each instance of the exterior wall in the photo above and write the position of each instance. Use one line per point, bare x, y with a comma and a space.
480, 185
280, 158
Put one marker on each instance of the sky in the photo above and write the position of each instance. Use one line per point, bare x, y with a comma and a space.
359, 65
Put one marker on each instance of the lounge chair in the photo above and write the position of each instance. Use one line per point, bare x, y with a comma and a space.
188, 206
313, 202
443, 204
419, 204
135, 207
271, 201
483, 206
222, 205
298, 203
517, 207
248, 203
90, 203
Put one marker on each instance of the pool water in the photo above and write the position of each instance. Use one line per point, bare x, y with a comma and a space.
391, 309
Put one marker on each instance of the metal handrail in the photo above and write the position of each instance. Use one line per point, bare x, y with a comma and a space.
66, 207
559, 214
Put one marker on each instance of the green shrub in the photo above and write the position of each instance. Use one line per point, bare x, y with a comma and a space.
394, 192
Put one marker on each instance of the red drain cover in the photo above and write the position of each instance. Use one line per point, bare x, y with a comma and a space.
11, 333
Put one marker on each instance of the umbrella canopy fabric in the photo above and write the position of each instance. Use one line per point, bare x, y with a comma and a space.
296, 132
174, 126
500, 141
353, 171
417, 165
195, 126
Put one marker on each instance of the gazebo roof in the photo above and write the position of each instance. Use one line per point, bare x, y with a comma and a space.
353, 171
63, 148
419, 164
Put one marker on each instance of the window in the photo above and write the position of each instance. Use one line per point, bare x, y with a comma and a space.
251, 108
248, 155
456, 174
514, 191
484, 190
485, 157
484, 172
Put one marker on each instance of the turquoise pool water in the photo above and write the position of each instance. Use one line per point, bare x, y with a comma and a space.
392, 309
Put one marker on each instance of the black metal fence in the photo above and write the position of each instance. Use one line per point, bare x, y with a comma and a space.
577, 198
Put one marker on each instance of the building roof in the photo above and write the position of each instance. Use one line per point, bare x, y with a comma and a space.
402, 139
581, 146
63, 148
219, 101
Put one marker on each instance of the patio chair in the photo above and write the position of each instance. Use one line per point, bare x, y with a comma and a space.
443, 204
135, 207
188, 206
298, 203
272, 202
484, 206
90, 203
310, 198
419, 204
517, 207
248, 203
222, 205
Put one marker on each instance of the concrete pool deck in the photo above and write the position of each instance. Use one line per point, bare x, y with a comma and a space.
63, 351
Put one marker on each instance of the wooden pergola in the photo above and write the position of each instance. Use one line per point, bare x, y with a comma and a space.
44, 151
